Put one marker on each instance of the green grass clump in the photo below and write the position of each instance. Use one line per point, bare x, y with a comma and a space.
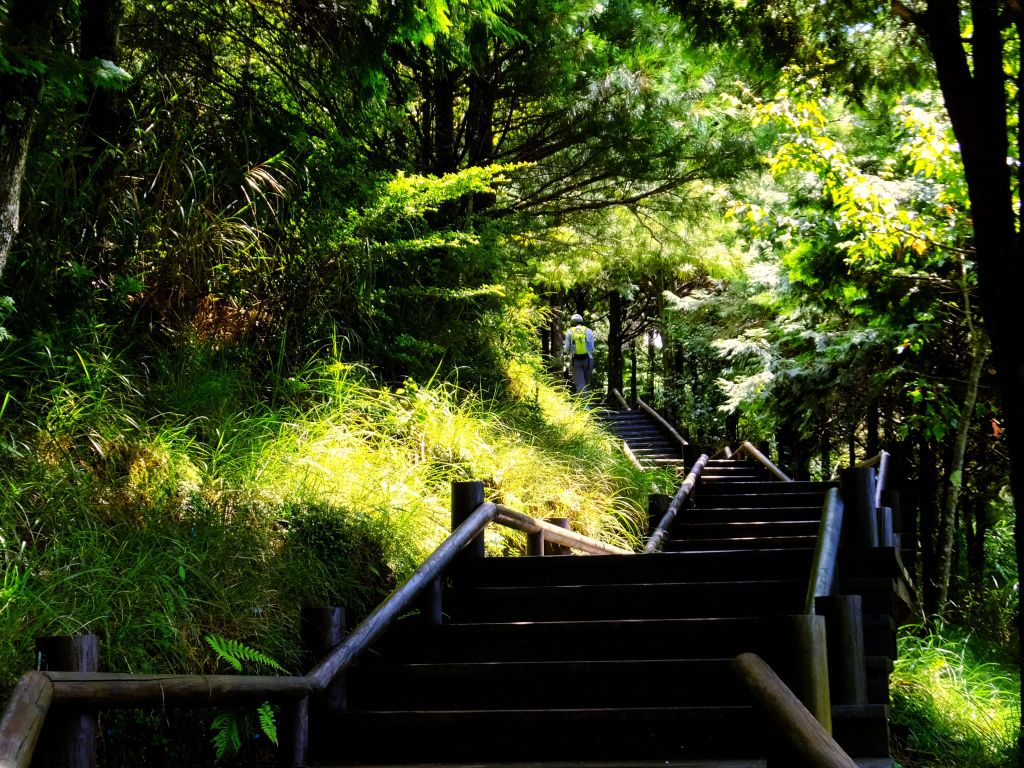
950, 708
156, 505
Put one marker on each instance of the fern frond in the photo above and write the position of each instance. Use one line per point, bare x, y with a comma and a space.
227, 736
235, 652
268, 723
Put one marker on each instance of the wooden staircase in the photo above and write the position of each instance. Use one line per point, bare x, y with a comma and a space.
619, 660
646, 437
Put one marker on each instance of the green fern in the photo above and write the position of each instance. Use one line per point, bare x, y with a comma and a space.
267, 722
227, 734
236, 653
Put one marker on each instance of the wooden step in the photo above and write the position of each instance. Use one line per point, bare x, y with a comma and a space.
667, 733
751, 542
757, 500
545, 684
609, 569
654, 600
413, 642
699, 529
755, 514
763, 486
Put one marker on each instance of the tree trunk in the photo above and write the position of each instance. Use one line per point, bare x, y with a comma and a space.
928, 483
615, 363
976, 101
27, 37
954, 476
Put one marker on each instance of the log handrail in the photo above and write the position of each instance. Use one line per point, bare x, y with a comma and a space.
826, 550
663, 424
402, 599
523, 522
658, 536
748, 448
23, 719
795, 723
882, 460
622, 401
632, 457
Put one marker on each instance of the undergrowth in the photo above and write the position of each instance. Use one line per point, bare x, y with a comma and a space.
156, 506
951, 708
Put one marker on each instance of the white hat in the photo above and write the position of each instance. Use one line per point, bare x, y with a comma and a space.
576, 319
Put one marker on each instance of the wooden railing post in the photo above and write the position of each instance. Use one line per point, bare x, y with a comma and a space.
70, 738
550, 547
844, 624
657, 506
535, 544
466, 497
810, 675
322, 630
860, 529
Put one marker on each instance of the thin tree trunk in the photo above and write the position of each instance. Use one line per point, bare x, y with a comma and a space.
27, 36
616, 314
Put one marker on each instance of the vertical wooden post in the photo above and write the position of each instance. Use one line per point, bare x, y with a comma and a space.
466, 497
535, 544
550, 548
297, 724
860, 530
70, 739
657, 506
844, 625
429, 604
321, 631
810, 675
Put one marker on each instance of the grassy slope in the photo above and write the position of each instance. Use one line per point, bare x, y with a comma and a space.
154, 512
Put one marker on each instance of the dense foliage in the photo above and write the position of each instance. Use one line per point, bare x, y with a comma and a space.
273, 274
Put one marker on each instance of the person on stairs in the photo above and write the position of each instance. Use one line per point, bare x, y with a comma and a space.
579, 342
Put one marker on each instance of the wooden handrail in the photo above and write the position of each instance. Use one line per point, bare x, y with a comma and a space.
747, 447
826, 551
657, 540
122, 690
725, 452
23, 719
402, 598
796, 724
632, 457
663, 424
526, 524
622, 401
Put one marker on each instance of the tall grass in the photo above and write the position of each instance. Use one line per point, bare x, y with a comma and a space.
951, 709
155, 506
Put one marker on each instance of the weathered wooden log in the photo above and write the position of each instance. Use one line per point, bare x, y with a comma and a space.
844, 624
70, 736
121, 690
796, 724
23, 719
